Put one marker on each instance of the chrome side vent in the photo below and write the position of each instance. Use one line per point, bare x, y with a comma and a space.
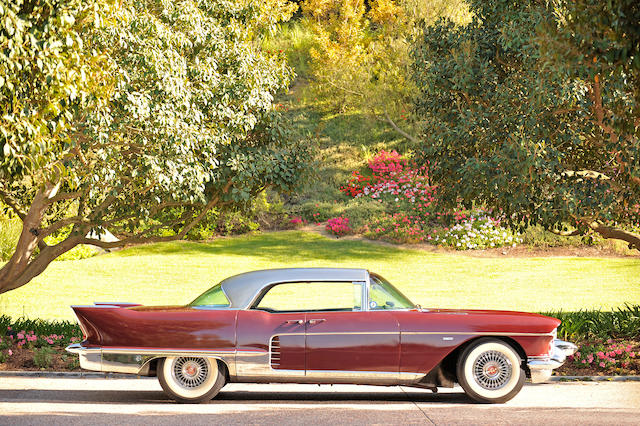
275, 352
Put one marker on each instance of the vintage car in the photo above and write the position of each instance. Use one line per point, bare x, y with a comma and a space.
318, 325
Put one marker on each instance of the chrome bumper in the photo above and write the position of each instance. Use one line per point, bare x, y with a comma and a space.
541, 367
90, 358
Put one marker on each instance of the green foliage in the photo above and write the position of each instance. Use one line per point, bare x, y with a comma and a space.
623, 322
295, 39
265, 212
533, 110
360, 59
42, 327
478, 231
537, 236
10, 229
165, 113
42, 357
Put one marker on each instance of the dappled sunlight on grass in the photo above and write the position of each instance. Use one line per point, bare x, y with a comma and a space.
175, 273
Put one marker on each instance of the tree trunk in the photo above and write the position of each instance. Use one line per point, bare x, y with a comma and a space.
28, 240
30, 270
22, 268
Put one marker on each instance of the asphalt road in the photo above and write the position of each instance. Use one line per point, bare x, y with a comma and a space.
64, 401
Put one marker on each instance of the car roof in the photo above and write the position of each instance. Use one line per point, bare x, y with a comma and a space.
242, 289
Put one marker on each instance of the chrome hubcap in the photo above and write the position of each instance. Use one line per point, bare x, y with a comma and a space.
190, 372
492, 370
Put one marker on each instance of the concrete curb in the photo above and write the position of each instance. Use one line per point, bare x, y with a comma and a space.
97, 375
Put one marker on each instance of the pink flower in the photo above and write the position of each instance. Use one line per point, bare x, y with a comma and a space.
20, 336
601, 364
600, 355
632, 354
584, 361
578, 354
10, 352
619, 351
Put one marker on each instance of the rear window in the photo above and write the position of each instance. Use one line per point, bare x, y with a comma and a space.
212, 297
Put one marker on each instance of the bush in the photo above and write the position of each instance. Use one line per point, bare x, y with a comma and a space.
397, 228
338, 226
42, 327
537, 236
266, 211
606, 355
42, 357
477, 231
621, 323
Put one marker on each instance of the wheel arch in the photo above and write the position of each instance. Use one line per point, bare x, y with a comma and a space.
449, 362
150, 368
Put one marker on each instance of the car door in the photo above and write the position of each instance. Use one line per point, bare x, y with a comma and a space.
357, 341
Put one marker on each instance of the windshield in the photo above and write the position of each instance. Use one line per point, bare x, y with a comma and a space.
382, 295
212, 297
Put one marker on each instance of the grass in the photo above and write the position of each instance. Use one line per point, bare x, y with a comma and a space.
175, 273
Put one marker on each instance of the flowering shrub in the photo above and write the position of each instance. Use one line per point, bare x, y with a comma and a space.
393, 180
608, 356
397, 228
338, 226
296, 221
476, 231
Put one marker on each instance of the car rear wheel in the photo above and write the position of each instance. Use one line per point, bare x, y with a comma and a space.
490, 371
190, 379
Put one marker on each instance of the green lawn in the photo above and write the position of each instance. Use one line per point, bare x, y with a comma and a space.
175, 273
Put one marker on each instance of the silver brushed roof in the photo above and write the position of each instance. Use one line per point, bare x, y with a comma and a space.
243, 289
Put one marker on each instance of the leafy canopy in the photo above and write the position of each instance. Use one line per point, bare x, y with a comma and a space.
532, 108
137, 116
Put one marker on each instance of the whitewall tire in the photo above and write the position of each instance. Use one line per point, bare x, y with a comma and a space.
190, 379
490, 371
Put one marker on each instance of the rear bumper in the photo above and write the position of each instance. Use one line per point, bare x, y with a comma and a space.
90, 358
541, 367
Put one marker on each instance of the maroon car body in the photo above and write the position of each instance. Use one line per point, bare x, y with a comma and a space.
368, 343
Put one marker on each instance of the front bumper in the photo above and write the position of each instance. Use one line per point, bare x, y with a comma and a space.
541, 367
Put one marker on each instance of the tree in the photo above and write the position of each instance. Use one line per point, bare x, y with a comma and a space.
532, 109
136, 116
361, 57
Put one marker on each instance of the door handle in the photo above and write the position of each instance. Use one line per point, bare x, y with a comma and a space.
316, 321
299, 322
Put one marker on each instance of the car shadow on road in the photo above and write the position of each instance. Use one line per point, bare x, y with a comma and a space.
228, 397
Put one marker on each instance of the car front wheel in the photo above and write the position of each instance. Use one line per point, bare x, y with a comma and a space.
190, 379
490, 371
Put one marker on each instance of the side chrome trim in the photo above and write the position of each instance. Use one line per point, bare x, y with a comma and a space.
457, 333
137, 360
476, 333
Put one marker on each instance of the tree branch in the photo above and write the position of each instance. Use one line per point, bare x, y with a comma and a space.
610, 232
11, 202
398, 129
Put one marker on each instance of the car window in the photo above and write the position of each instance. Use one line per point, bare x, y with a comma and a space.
212, 297
312, 296
382, 295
